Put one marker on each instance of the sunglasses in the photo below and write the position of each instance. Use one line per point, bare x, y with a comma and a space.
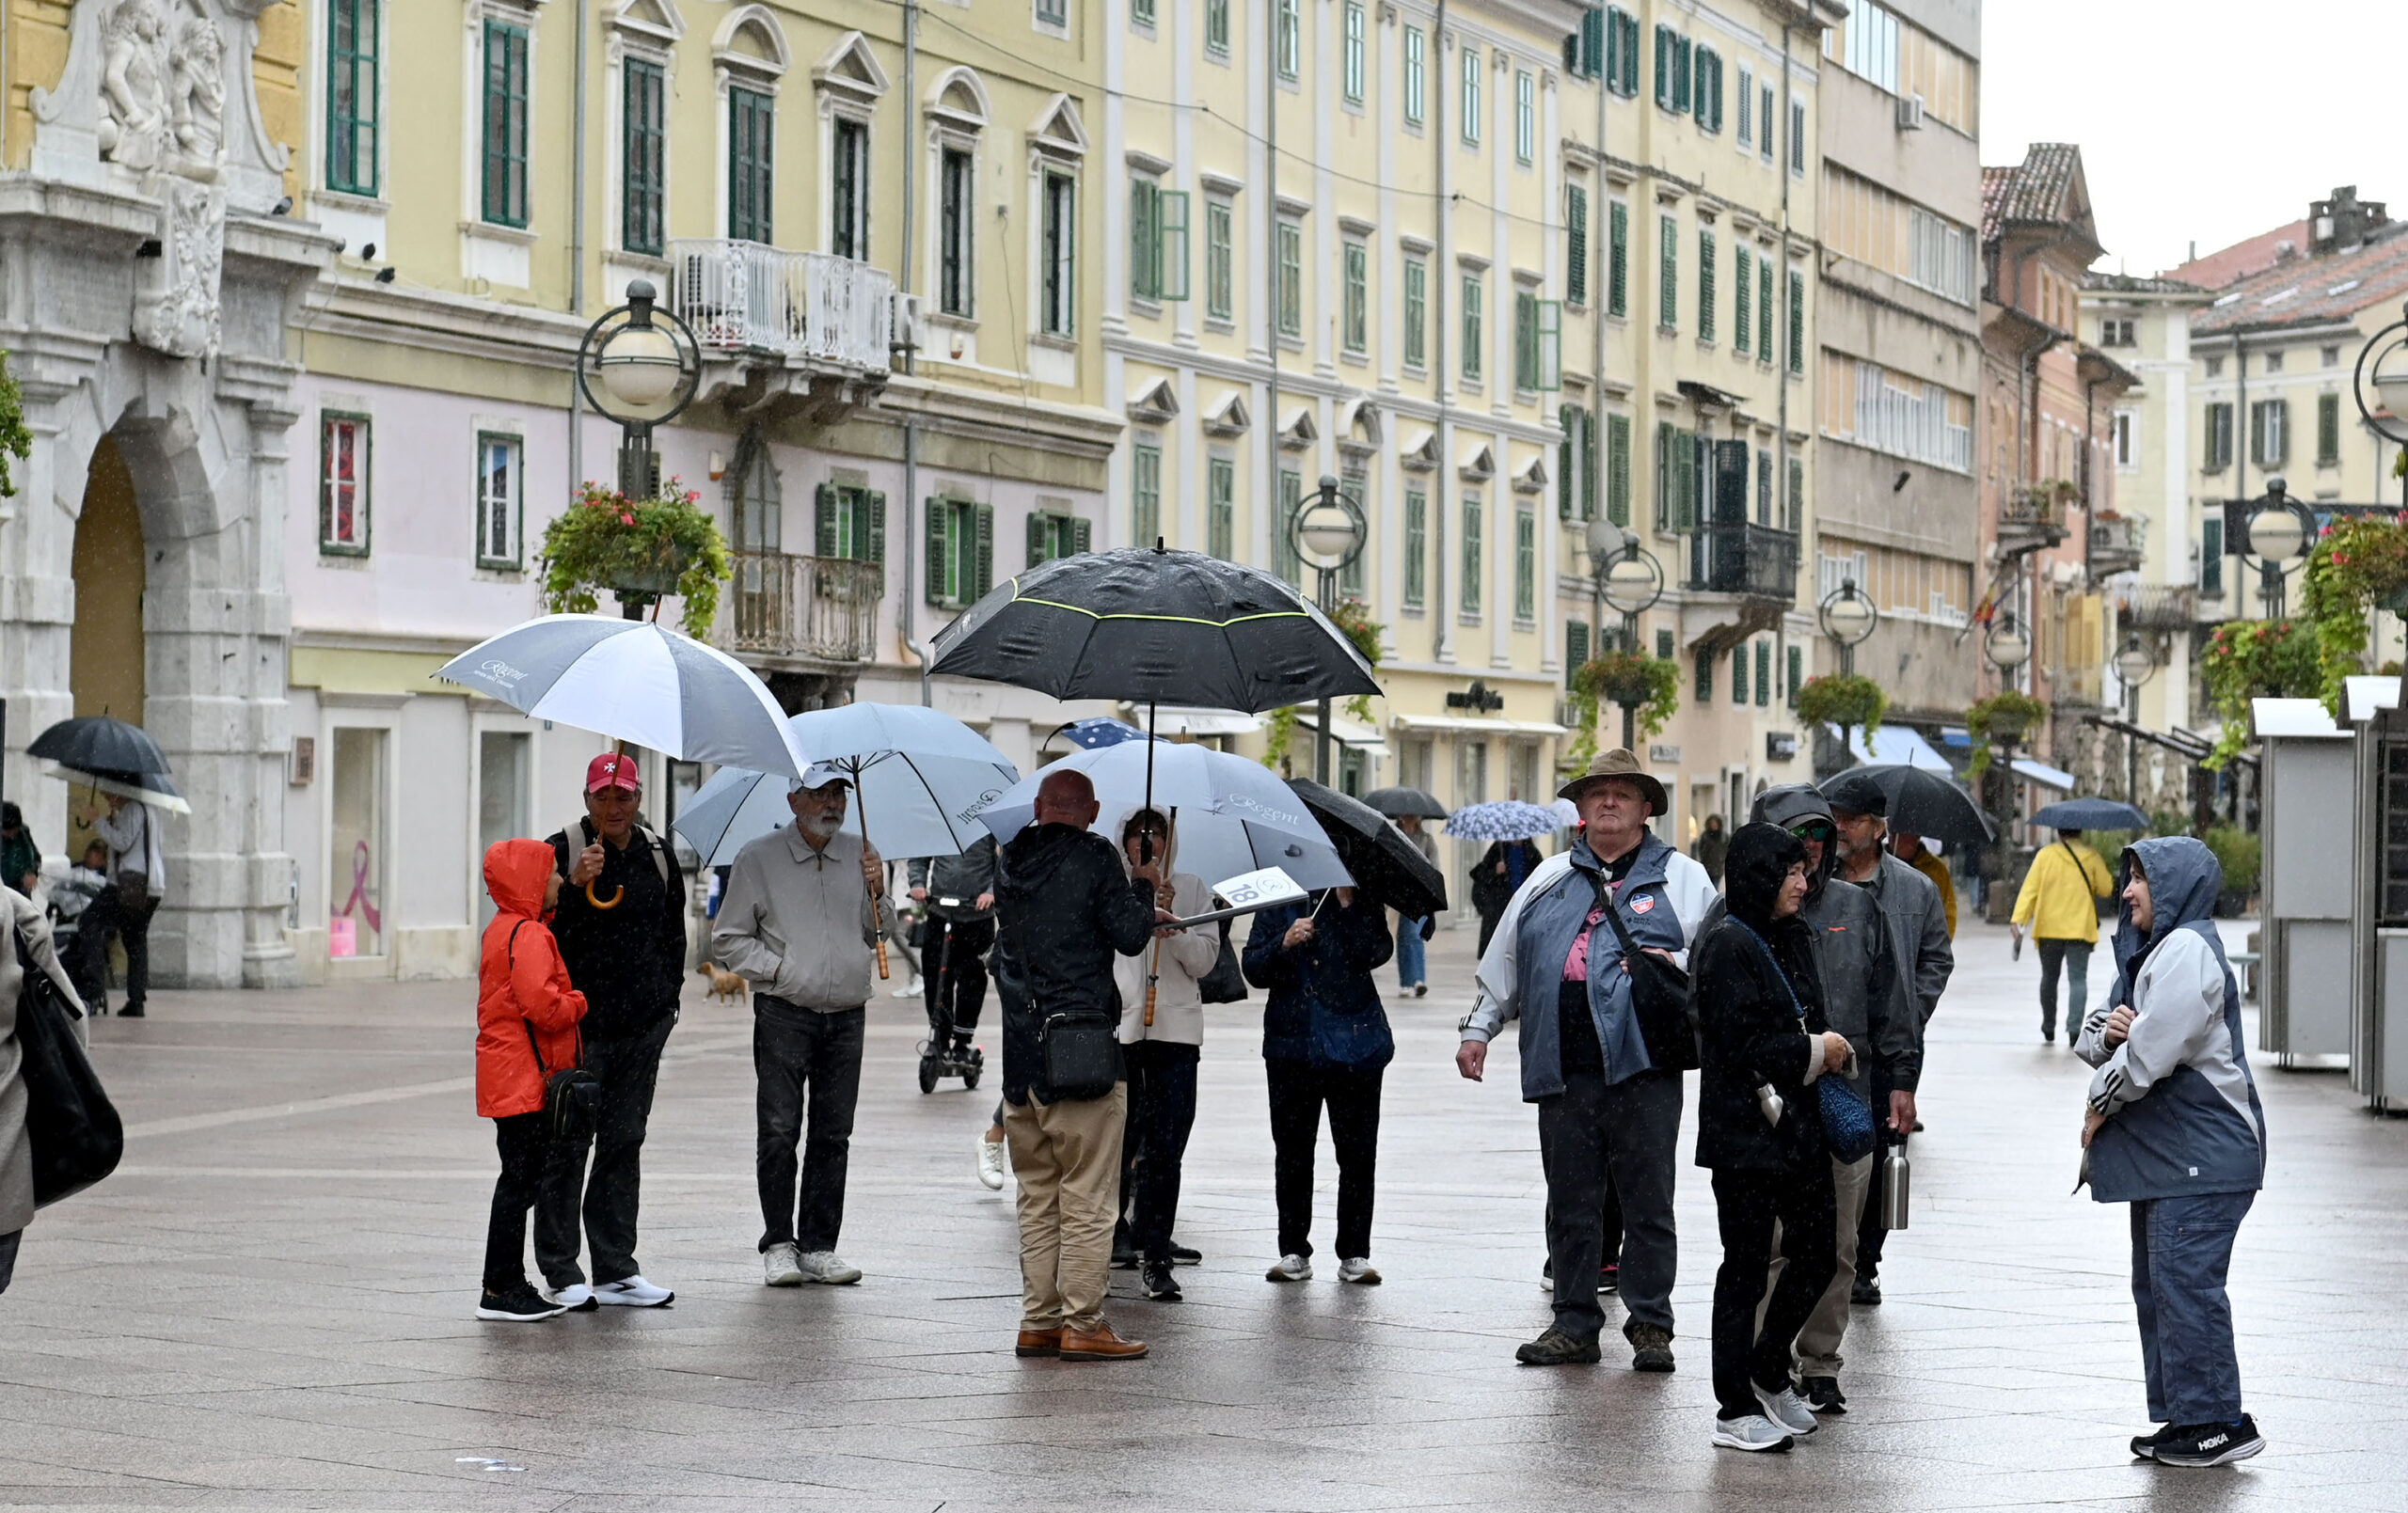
1818, 830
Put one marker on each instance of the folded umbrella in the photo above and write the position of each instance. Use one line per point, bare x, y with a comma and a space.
637, 682
1396, 803
1384, 860
1923, 801
1503, 819
2091, 815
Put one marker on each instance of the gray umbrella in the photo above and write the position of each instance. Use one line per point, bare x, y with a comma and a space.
1396, 803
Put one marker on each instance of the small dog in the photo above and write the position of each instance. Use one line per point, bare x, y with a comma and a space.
724, 984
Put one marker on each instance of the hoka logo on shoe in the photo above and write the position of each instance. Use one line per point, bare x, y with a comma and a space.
2215, 1440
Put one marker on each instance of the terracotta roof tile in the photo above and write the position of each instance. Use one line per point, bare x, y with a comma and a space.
2304, 291
2242, 259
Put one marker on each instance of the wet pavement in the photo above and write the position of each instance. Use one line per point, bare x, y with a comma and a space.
270, 1306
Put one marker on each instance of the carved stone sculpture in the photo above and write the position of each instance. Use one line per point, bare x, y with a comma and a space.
163, 87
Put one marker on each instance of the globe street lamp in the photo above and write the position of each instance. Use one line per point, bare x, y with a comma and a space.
639, 365
2006, 647
1847, 618
2277, 536
2382, 367
2134, 665
1329, 533
1628, 578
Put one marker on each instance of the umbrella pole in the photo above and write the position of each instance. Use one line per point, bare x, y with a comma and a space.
877, 920
1154, 963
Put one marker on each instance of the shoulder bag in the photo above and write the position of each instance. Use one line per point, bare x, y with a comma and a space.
1226, 982
73, 1129
133, 884
1659, 995
1081, 1050
572, 1094
1848, 1122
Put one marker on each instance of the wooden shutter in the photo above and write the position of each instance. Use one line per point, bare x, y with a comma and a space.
1575, 650
1764, 672
1663, 65
1763, 310
1705, 322
1667, 474
2328, 431
1569, 417
986, 566
1082, 533
823, 520
940, 574
1617, 469
1683, 53
1617, 259
1588, 465
1576, 218
1040, 537
869, 528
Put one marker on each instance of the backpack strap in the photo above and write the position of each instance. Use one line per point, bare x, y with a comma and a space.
574, 838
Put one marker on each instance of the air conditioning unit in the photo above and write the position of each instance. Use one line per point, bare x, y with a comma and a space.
903, 325
1911, 113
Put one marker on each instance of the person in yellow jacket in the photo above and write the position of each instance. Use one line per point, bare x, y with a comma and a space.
2058, 907
1917, 853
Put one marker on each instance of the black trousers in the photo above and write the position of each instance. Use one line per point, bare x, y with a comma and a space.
628, 1069
107, 917
1594, 1137
8, 1244
803, 1056
1749, 1204
1869, 1233
1298, 1093
525, 1142
953, 972
1162, 1112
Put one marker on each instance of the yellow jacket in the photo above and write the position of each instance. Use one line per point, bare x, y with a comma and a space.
1936, 870
2059, 891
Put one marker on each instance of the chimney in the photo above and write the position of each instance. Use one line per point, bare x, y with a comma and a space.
2341, 222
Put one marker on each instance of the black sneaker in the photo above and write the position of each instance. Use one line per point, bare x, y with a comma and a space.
1160, 1284
520, 1304
132, 1011
1182, 1256
1651, 1347
1822, 1394
1556, 1348
2210, 1444
2145, 1445
1864, 1292
1126, 1258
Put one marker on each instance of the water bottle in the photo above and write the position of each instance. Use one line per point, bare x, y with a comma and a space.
1769, 1101
1897, 1175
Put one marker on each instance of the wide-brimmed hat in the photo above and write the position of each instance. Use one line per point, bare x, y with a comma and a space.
1618, 763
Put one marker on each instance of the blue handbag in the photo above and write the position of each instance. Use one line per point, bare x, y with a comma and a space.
1847, 1120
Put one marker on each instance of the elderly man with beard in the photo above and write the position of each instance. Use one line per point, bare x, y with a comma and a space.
801, 912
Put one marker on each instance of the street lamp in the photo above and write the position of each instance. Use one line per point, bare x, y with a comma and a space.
1329, 533
1628, 578
1847, 618
639, 365
2277, 535
2388, 378
2006, 647
2134, 665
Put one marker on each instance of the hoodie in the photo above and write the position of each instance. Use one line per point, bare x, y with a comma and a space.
2183, 1116
524, 1000
1759, 1014
1853, 955
1177, 963
1065, 907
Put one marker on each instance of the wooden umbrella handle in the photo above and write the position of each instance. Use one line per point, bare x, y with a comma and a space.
1153, 980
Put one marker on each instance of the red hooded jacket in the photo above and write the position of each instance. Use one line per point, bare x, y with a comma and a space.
521, 980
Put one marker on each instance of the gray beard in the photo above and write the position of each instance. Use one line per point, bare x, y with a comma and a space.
821, 831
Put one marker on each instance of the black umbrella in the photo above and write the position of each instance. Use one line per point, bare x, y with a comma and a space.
101, 747
1922, 801
2091, 815
1384, 860
1396, 803
1155, 626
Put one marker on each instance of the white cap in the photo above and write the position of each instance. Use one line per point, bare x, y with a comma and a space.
818, 775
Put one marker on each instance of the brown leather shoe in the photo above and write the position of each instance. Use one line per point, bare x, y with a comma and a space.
1102, 1345
1038, 1342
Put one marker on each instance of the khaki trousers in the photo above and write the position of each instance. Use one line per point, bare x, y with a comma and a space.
1818, 1343
1066, 1157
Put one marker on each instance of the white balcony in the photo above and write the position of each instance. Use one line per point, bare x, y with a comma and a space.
812, 311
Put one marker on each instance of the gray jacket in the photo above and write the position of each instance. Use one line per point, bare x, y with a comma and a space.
797, 923
963, 878
16, 1154
1918, 937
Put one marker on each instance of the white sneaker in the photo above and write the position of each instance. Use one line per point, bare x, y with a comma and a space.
779, 1267
991, 1163
826, 1266
1754, 1432
915, 988
1785, 1408
1358, 1271
576, 1299
1291, 1268
632, 1292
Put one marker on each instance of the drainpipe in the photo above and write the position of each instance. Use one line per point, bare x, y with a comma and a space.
1796, 362
1441, 644
1598, 289
903, 626
1278, 506
577, 253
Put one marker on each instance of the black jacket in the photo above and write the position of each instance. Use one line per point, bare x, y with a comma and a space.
1326, 981
628, 960
1490, 893
1748, 1031
1065, 907
964, 878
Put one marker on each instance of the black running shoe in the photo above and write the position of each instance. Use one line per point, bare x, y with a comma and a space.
2210, 1444
1160, 1284
1126, 1259
1864, 1292
2145, 1445
1822, 1394
1651, 1347
1556, 1348
1183, 1255
521, 1304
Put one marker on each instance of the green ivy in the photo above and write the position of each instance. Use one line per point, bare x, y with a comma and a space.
2250, 660
15, 440
2010, 714
605, 542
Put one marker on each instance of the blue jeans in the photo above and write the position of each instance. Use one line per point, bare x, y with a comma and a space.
2181, 1248
1409, 952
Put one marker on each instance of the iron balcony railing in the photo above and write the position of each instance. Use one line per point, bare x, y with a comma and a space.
2151, 607
809, 307
822, 607
1756, 562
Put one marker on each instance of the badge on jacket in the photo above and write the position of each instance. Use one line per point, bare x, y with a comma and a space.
1643, 904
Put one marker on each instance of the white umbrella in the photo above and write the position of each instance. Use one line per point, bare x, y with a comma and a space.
159, 792
638, 682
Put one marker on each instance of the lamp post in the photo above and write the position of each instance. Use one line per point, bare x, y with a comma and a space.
2382, 367
1847, 618
2008, 647
2134, 665
1329, 533
639, 365
2276, 537
1628, 578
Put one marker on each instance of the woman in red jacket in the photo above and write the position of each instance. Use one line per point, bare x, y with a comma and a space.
527, 1028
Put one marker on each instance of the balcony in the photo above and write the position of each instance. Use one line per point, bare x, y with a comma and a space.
1753, 562
789, 611
2117, 544
2157, 606
776, 323
2033, 519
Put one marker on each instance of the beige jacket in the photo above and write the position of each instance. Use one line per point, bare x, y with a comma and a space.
16, 1155
797, 923
1178, 962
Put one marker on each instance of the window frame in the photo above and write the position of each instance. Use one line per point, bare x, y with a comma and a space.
1576, 244
349, 128
1474, 318
1526, 565
1668, 272
1353, 73
1416, 314
1057, 251
1473, 515
1526, 116
752, 167
1354, 312
363, 453
1288, 39
643, 157
1145, 491
1220, 507
1220, 257
1216, 27
850, 166
515, 446
1288, 237
957, 230
2328, 431
1417, 78
508, 203
1467, 97
1414, 592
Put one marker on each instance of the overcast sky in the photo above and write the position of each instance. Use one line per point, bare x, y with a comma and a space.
2201, 119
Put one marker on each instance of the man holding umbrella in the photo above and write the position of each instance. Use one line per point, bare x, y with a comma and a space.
137, 874
1604, 1107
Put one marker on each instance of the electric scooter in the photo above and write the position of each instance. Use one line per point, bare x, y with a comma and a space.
937, 1057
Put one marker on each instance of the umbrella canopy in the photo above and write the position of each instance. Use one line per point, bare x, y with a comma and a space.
96, 746
155, 789
2091, 815
1396, 803
1384, 860
1155, 626
1924, 802
1103, 730
1232, 814
920, 778
1503, 819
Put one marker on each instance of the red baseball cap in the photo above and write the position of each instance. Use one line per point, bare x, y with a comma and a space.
611, 770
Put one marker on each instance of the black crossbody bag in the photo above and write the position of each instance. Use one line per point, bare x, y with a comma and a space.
71, 1125
572, 1095
1659, 995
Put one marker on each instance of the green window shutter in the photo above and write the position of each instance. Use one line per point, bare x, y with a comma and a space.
1618, 259
504, 185
1796, 501
1575, 651
1668, 473
869, 529
1740, 673
2328, 430
940, 575
1526, 342
1630, 54
1763, 310
823, 520
1145, 265
1705, 286
1685, 449
1663, 65
1040, 538
1705, 690
1170, 246
1764, 672
1796, 672
1742, 335
1682, 53
1668, 272
353, 96
1589, 461
986, 563
1576, 219
1568, 417
1617, 469
1797, 322
1082, 533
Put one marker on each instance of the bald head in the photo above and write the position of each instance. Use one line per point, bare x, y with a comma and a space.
1067, 798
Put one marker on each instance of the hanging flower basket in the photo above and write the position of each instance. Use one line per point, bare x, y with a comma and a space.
1848, 700
2004, 717
636, 550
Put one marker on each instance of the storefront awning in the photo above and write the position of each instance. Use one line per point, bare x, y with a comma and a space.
1178, 719
1896, 746
1471, 725
1346, 731
2041, 773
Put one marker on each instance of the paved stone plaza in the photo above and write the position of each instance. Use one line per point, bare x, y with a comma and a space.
269, 1306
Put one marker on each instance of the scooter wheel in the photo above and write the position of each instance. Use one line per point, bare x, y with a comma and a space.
970, 1078
927, 1074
